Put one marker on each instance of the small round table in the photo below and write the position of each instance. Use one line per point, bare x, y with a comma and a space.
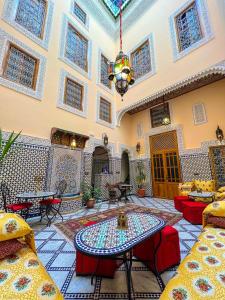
124, 187
204, 195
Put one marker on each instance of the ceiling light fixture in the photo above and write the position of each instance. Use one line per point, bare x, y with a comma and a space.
120, 71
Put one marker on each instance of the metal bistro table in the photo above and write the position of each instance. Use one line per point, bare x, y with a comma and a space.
205, 195
104, 240
38, 195
123, 187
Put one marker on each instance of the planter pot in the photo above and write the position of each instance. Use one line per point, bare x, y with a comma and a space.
141, 193
90, 203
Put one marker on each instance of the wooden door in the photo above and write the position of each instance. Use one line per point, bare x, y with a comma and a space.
165, 165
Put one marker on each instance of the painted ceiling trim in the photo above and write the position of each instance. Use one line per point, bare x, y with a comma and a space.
213, 70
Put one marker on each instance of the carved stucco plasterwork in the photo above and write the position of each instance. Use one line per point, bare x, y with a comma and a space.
213, 70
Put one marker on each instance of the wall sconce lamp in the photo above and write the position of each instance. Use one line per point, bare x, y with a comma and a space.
73, 144
219, 134
166, 117
105, 139
138, 147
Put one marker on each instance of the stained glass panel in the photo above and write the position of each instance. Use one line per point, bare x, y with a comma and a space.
188, 27
76, 48
79, 13
105, 110
73, 94
31, 15
104, 72
20, 67
114, 6
141, 60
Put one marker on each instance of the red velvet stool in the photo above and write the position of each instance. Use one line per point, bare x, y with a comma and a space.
168, 254
178, 201
86, 265
192, 212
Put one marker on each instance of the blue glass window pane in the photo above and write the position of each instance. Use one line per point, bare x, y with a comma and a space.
114, 6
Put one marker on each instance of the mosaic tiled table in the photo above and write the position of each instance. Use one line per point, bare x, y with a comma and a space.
205, 195
105, 240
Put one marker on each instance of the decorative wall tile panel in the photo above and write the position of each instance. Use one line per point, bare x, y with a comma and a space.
66, 165
22, 165
195, 164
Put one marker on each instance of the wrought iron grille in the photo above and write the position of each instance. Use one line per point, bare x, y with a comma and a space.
73, 94
141, 60
188, 27
76, 48
105, 110
104, 71
31, 15
79, 13
20, 67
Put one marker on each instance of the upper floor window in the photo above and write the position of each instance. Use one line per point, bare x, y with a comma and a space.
105, 110
141, 60
31, 15
104, 72
157, 113
77, 48
78, 11
20, 67
73, 95
188, 27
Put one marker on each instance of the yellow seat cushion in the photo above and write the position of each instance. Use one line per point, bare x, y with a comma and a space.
216, 209
12, 226
221, 189
220, 196
206, 186
23, 277
201, 274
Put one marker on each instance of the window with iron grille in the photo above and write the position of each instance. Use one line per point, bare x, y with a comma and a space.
20, 67
73, 95
31, 15
79, 13
104, 72
76, 48
105, 110
188, 27
141, 60
157, 113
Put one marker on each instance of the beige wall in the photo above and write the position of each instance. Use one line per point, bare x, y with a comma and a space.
213, 98
156, 20
36, 118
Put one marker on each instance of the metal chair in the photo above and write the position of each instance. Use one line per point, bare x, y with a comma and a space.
20, 207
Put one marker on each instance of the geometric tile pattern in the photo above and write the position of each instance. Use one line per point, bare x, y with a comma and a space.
58, 256
22, 165
192, 164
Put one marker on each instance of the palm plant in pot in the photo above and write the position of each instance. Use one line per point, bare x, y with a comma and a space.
90, 195
6, 146
141, 179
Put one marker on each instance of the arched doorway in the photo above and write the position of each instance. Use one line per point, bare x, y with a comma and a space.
125, 168
100, 162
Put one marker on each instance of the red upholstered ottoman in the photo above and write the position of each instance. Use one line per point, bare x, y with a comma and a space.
178, 200
192, 212
168, 254
86, 265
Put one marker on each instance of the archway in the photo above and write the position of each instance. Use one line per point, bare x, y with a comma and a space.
100, 162
125, 168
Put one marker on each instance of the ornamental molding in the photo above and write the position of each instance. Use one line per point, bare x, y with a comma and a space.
217, 69
27, 139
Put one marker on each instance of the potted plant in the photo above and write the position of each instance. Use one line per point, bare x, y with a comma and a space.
6, 146
141, 179
90, 195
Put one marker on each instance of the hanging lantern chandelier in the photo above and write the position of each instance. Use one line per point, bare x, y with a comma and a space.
120, 71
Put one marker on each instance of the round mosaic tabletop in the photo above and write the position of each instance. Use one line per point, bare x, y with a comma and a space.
105, 239
32, 195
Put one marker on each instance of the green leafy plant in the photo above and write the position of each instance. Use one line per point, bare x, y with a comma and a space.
6, 146
90, 192
141, 175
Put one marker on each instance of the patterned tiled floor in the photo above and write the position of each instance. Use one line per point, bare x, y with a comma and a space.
58, 256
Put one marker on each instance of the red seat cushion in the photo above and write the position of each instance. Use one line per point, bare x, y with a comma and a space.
192, 212
19, 206
50, 201
178, 200
169, 244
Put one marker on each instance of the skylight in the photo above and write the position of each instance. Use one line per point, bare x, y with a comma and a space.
114, 6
